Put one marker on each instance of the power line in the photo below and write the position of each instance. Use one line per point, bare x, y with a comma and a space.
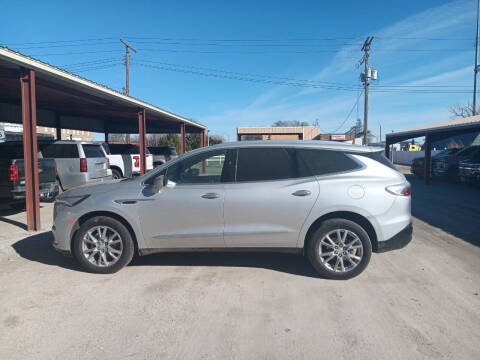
349, 113
316, 82
293, 83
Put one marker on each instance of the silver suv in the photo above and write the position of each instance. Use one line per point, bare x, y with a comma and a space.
78, 162
332, 202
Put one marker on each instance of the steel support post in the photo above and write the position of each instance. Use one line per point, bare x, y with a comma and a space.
427, 160
387, 149
182, 138
58, 127
202, 141
141, 140
29, 121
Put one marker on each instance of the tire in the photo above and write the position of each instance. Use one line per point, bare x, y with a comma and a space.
124, 250
357, 237
116, 174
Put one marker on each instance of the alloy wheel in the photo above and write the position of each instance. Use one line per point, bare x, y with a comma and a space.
341, 250
102, 246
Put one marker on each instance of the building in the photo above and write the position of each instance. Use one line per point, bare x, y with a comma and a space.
278, 133
350, 138
65, 133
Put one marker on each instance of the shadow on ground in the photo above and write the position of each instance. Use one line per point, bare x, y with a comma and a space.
39, 248
454, 208
287, 263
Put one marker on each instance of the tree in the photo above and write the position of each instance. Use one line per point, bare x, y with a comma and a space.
462, 111
283, 123
118, 138
216, 139
192, 141
172, 140
356, 129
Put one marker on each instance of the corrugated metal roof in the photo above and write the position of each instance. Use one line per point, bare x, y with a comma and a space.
18, 58
445, 125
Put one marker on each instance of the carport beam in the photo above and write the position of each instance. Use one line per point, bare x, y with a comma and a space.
29, 122
428, 159
141, 140
182, 138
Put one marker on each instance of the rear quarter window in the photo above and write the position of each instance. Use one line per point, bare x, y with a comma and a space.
378, 156
323, 162
93, 151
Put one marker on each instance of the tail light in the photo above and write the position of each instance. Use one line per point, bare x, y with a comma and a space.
83, 165
136, 159
400, 189
108, 163
13, 173
55, 168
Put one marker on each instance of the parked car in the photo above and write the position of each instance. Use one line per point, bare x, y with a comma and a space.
469, 170
162, 154
125, 160
12, 179
418, 164
333, 202
447, 166
78, 162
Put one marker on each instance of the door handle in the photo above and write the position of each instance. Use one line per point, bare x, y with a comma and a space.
301, 193
210, 196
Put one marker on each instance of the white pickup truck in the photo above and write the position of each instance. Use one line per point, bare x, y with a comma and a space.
125, 160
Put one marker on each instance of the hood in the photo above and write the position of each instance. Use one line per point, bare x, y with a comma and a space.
97, 188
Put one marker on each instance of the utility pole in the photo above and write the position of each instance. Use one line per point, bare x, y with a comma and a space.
126, 89
475, 70
365, 78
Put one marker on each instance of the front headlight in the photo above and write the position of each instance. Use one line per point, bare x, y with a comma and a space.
70, 200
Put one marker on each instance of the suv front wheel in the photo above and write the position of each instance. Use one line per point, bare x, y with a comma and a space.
339, 249
103, 245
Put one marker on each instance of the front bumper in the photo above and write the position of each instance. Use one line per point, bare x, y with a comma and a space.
397, 241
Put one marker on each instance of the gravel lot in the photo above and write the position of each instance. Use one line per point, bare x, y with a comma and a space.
419, 302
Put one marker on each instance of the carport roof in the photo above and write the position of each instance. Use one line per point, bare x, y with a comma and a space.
446, 128
81, 103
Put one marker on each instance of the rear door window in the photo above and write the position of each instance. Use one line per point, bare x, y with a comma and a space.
92, 151
60, 151
264, 164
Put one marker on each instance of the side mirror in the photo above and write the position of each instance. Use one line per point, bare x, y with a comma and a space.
158, 184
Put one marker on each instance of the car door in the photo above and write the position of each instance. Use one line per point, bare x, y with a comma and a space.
188, 210
270, 200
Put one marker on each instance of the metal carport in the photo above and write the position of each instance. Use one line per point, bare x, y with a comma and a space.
36, 93
432, 133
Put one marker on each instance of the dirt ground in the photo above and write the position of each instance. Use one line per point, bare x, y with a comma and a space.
420, 302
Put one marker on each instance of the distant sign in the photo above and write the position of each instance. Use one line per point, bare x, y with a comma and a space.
2, 136
338, 137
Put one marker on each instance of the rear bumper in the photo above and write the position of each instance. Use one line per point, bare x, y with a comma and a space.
47, 190
397, 241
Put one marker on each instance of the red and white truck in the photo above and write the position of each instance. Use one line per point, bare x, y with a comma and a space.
125, 160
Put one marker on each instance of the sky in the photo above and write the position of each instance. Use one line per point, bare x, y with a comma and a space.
250, 63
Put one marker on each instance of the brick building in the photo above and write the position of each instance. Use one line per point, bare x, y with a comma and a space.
66, 133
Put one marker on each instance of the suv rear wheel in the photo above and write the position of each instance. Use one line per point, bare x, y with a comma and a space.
339, 249
116, 174
103, 245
